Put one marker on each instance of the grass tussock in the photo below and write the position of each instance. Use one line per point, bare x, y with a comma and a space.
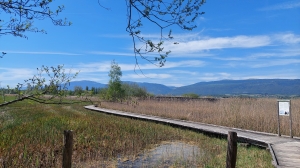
245, 113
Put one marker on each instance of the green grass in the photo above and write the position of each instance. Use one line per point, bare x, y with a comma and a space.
7, 98
31, 135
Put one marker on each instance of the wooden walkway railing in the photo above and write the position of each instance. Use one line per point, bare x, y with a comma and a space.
284, 150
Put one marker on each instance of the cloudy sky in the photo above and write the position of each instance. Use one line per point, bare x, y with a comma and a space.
233, 40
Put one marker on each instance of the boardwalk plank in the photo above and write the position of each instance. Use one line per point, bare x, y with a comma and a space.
289, 155
289, 163
287, 158
290, 149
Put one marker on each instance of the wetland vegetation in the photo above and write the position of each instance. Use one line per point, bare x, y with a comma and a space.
31, 135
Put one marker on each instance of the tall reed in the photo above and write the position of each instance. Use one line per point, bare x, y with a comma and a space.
246, 113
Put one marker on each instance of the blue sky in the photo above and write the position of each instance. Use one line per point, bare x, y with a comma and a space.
233, 40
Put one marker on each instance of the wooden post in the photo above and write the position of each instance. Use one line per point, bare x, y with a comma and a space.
278, 119
291, 124
231, 149
68, 149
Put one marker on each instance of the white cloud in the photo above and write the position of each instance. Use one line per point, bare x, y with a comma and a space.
191, 55
92, 67
230, 58
111, 53
215, 76
262, 63
224, 74
242, 76
148, 75
183, 72
195, 45
150, 55
13, 76
174, 84
277, 53
285, 5
189, 63
270, 76
209, 43
105, 66
288, 38
278, 62
198, 46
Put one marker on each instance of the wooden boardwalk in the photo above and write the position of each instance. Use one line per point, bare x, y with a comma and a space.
284, 150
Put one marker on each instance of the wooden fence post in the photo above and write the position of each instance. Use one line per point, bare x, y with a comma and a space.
231, 149
68, 149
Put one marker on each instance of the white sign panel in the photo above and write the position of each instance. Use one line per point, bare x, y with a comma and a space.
284, 108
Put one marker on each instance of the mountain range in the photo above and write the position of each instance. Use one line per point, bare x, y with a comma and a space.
223, 87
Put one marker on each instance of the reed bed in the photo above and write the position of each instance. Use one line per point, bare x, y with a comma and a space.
258, 114
31, 135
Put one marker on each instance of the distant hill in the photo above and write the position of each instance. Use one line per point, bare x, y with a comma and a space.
85, 83
251, 86
223, 87
154, 88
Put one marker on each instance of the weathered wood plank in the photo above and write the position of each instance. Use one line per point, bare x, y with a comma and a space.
285, 149
290, 144
290, 164
287, 166
287, 159
289, 147
288, 155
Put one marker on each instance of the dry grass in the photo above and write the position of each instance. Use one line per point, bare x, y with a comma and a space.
246, 113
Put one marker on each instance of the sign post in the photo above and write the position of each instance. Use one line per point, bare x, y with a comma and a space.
284, 109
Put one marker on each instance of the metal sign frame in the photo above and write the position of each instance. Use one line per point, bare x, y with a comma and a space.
284, 109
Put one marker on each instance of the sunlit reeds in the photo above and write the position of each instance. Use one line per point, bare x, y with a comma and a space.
258, 114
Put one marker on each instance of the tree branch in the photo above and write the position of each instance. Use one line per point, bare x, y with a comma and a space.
163, 14
22, 13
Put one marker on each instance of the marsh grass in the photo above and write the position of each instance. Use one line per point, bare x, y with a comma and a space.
246, 113
7, 98
31, 135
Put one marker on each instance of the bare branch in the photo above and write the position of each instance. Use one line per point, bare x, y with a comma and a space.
103, 6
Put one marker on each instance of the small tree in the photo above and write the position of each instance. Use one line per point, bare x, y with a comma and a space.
115, 90
78, 90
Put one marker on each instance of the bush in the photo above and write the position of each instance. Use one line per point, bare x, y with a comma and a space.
133, 90
191, 95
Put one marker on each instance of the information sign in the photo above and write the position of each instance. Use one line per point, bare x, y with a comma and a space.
284, 108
